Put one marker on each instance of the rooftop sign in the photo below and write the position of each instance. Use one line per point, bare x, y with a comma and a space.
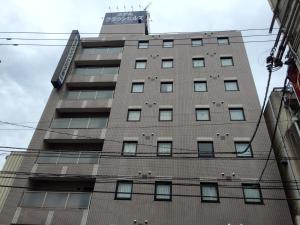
125, 18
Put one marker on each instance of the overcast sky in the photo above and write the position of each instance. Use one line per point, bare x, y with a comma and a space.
25, 71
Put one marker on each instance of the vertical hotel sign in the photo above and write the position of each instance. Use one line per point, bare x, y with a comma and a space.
64, 63
294, 77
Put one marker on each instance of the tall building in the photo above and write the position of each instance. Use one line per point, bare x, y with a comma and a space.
149, 129
286, 142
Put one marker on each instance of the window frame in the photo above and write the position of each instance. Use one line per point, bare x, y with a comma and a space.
196, 39
137, 83
216, 185
261, 202
198, 58
243, 156
212, 155
140, 61
157, 183
208, 109
127, 154
134, 110
168, 40
226, 57
200, 82
117, 188
165, 109
162, 154
236, 82
166, 82
143, 41
223, 38
167, 60
237, 108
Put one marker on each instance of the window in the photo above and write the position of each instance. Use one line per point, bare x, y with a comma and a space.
198, 62
167, 63
226, 61
197, 42
124, 190
252, 193
96, 71
164, 148
48, 157
68, 157
236, 114
163, 191
240, 148
42, 199
205, 149
231, 85
166, 87
165, 114
140, 64
143, 44
129, 148
137, 87
200, 86
134, 115
168, 43
202, 114
209, 192
223, 40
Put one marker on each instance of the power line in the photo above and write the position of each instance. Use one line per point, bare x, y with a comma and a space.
68, 33
63, 45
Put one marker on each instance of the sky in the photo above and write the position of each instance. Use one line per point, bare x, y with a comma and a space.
26, 71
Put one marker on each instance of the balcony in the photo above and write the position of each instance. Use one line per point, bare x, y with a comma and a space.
99, 56
77, 130
68, 106
96, 76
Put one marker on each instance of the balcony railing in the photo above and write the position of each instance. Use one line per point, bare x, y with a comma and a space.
80, 123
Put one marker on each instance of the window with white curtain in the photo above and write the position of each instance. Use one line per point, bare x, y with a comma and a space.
237, 114
252, 193
209, 192
164, 148
168, 43
200, 86
167, 63
129, 148
202, 114
198, 62
197, 42
134, 115
137, 87
140, 64
163, 191
166, 87
243, 149
143, 44
165, 114
231, 85
226, 61
223, 40
124, 190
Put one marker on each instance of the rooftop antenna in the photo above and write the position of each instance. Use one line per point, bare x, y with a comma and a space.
109, 8
140, 7
124, 8
132, 8
117, 8
145, 9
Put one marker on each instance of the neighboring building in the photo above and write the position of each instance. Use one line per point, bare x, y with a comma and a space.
139, 128
12, 164
286, 143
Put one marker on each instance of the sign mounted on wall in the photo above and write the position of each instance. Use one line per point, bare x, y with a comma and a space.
64, 63
125, 18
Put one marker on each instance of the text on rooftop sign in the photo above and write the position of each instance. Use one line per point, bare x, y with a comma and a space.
125, 18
